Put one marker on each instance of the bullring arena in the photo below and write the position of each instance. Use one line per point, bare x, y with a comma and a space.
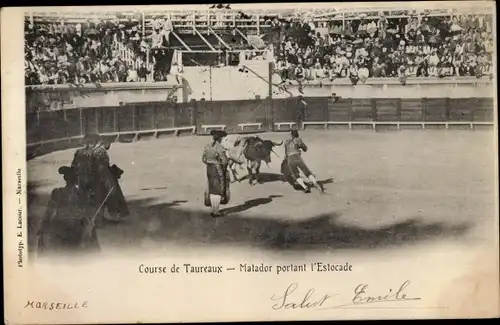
405, 164
383, 190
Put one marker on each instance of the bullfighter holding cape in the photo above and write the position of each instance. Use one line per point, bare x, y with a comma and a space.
98, 180
216, 160
109, 186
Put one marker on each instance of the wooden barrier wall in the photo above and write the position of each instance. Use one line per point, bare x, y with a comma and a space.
60, 124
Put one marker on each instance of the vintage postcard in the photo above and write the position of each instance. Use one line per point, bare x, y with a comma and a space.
250, 162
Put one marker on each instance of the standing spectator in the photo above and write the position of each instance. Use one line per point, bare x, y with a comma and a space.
378, 68
433, 63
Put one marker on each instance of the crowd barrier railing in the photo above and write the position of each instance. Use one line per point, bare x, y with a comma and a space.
49, 131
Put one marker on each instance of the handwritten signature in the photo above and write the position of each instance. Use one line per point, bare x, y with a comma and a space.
291, 299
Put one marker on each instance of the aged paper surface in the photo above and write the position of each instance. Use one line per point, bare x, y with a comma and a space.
394, 224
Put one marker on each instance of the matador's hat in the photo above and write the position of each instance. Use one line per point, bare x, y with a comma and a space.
218, 133
67, 172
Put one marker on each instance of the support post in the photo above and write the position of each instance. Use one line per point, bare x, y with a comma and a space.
219, 38
270, 81
270, 106
245, 38
204, 39
181, 41
193, 21
258, 24
143, 25
210, 81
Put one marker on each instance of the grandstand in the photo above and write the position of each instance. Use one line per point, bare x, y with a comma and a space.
309, 46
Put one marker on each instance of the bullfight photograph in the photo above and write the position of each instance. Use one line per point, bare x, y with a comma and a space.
350, 133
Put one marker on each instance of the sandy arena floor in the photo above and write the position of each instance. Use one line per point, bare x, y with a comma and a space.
384, 190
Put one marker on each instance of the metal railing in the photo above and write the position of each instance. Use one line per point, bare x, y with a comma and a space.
254, 23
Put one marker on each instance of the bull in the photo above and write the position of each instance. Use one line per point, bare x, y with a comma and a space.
254, 150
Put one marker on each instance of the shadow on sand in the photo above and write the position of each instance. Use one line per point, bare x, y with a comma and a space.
166, 222
169, 222
250, 204
271, 177
265, 178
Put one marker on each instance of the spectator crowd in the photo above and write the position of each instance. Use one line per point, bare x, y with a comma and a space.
361, 48
92, 52
378, 47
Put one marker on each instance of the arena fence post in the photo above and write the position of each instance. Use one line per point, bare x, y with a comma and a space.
201, 106
424, 108
153, 118
115, 121
193, 112
447, 108
82, 131
175, 111
351, 110
399, 105
66, 130
325, 112
134, 118
373, 103
96, 119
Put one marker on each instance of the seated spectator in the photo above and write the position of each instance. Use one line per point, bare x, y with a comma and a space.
89, 51
378, 68
318, 70
353, 74
282, 67
411, 68
299, 72
363, 73
433, 63
402, 74
132, 75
